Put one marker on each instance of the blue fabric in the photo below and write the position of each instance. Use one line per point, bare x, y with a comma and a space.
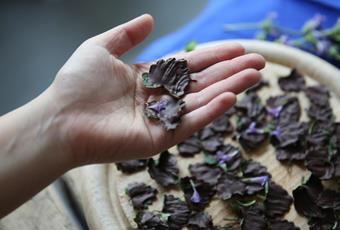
208, 26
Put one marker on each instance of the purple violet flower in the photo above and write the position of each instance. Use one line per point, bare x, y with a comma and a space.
276, 132
195, 198
222, 157
262, 180
158, 106
253, 130
322, 46
274, 112
283, 39
314, 23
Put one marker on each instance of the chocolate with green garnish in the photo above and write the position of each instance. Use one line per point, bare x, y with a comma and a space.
245, 185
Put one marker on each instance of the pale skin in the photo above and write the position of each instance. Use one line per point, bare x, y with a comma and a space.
93, 111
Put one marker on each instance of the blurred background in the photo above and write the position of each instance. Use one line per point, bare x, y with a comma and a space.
38, 36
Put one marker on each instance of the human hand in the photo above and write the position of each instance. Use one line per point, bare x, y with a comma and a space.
100, 100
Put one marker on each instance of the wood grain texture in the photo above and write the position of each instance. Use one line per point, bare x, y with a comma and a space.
101, 188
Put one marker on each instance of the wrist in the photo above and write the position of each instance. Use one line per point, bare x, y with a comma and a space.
32, 154
48, 124
32, 132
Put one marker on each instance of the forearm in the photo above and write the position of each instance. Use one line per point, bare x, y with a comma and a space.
30, 152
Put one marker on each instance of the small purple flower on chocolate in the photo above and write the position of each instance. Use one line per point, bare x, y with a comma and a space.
158, 106
253, 130
195, 198
274, 112
262, 180
222, 157
276, 132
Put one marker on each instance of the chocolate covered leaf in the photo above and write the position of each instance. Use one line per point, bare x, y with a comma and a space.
172, 74
131, 166
294, 82
141, 195
165, 171
167, 109
150, 221
178, 210
200, 221
278, 201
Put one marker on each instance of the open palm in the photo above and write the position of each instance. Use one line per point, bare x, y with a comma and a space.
101, 99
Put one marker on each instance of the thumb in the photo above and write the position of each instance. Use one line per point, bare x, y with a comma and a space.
124, 37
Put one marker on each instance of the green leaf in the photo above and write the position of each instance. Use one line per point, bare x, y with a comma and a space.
335, 225
190, 46
261, 36
209, 159
246, 204
223, 167
334, 52
147, 83
309, 37
266, 189
165, 217
303, 180
266, 25
334, 32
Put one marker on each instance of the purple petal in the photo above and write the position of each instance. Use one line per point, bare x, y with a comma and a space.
262, 180
253, 130
315, 22
159, 106
223, 157
195, 198
276, 132
275, 112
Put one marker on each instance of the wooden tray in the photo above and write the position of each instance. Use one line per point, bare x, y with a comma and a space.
100, 188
